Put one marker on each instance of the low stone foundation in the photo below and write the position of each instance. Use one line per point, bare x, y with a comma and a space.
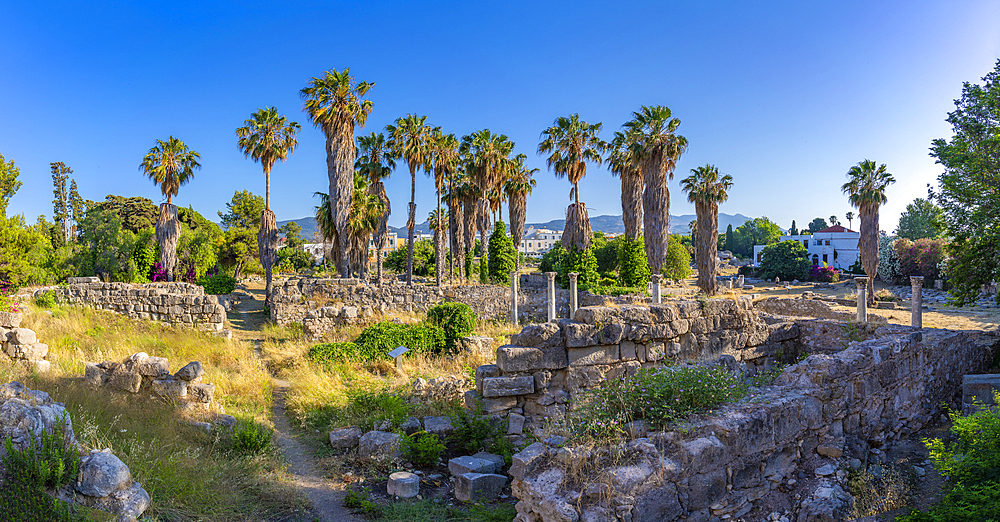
141, 373
21, 344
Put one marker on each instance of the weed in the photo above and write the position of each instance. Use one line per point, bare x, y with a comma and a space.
250, 438
422, 449
50, 462
876, 493
456, 319
474, 430
45, 300
360, 502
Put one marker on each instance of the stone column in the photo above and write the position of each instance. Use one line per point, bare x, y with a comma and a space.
917, 301
862, 283
514, 276
552, 296
740, 281
729, 284
572, 294
655, 279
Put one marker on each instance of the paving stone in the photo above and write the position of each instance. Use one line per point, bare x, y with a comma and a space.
479, 487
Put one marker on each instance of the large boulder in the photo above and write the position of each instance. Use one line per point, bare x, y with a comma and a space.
345, 437
379, 445
102, 473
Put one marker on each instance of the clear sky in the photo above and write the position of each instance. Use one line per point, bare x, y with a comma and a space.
784, 96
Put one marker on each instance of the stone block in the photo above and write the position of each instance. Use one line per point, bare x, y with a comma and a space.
508, 386
636, 314
379, 445
596, 315
169, 388
664, 313
203, 393
345, 437
191, 371
132, 362
523, 359
494, 405
525, 461
411, 426
125, 381
496, 459
627, 351
467, 464
592, 355
153, 367
440, 426
782, 332
22, 336
478, 345
403, 484
479, 487
10, 320
31, 352
515, 424
543, 335
37, 365
483, 372
225, 422
101, 474
94, 375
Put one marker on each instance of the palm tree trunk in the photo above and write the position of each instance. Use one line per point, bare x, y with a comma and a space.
168, 230
410, 224
656, 211
438, 240
632, 202
483, 224
708, 237
340, 155
869, 246
267, 248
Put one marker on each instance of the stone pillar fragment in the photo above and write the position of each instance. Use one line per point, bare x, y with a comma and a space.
551, 295
513, 296
916, 301
572, 294
862, 283
655, 279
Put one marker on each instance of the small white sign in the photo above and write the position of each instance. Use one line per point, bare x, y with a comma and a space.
398, 351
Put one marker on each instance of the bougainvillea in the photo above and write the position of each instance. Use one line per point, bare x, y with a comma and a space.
922, 257
888, 261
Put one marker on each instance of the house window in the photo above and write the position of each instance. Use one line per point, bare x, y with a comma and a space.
824, 258
805, 243
819, 242
815, 260
827, 242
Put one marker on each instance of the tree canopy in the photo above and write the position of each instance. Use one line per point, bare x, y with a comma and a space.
921, 219
243, 211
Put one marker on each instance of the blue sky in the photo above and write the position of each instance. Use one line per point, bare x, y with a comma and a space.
785, 97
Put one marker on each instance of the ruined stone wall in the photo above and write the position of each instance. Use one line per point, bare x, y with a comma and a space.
176, 303
548, 365
777, 453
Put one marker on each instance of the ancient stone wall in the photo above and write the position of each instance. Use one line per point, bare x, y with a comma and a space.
779, 453
141, 373
21, 344
176, 303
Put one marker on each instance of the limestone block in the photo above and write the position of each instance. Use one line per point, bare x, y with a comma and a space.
379, 445
36, 365
494, 405
128, 503
101, 474
203, 393
521, 359
508, 386
664, 313
467, 464
483, 372
131, 364
478, 487
22, 336
411, 426
403, 484
627, 351
153, 367
440, 426
345, 437
31, 352
477, 345
782, 332
515, 424
606, 354
190, 371
636, 314
170, 388
543, 335
526, 460
10, 320
596, 315
125, 381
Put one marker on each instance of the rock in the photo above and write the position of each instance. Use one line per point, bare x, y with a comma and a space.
345, 437
190, 372
411, 426
403, 484
466, 464
508, 386
153, 367
169, 388
831, 451
128, 503
203, 393
22, 336
440, 426
495, 459
30, 352
125, 381
483, 372
379, 445
826, 470
37, 366
591, 355
101, 474
520, 359
10, 320
525, 461
131, 364
203, 426
477, 345
226, 422
543, 335
478, 487
515, 424
635, 429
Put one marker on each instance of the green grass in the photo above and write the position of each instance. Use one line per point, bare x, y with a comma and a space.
426, 510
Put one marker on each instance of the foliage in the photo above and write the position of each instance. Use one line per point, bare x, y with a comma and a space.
885, 295
582, 262
677, 264
217, 284
427, 510
423, 258
967, 188
792, 230
475, 431
293, 235
921, 257
888, 261
550, 260
422, 449
757, 231
43, 300
633, 268
239, 249
26, 503
8, 183
333, 352
360, 502
786, 260
502, 256
456, 319
243, 211
49, 462
372, 403
824, 274
658, 396
109, 247
376, 341
135, 213
606, 253
921, 219
816, 225
25, 254
293, 259
251, 438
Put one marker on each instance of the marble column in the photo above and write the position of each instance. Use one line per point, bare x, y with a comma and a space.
862, 283
655, 279
917, 301
572, 294
514, 276
552, 295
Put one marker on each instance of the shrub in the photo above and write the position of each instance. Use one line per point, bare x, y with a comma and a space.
456, 319
786, 260
25, 503
824, 274
552, 259
50, 462
45, 300
922, 257
888, 261
376, 341
502, 255
633, 267
365, 405
677, 264
584, 263
251, 438
475, 431
333, 352
422, 449
217, 284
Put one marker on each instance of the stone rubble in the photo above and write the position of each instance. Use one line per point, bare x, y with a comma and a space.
141, 372
21, 344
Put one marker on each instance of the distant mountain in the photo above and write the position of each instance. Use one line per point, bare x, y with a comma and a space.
607, 224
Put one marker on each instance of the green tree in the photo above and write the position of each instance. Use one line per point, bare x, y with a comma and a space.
292, 232
76, 206
60, 200
729, 238
582, 262
606, 253
677, 264
633, 270
408, 140
865, 189
239, 249
786, 260
243, 211
624, 162
756, 231
487, 159
921, 219
816, 225
109, 247
9, 184
135, 213
517, 187
502, 256
707, 189
169, 164
444, 162
423, 259
794, 231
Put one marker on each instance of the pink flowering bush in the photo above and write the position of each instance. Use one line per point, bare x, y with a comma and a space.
7, 301
824, 274
922, 257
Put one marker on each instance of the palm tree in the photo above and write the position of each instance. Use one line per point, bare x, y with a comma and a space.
437, 225
517, 187
624, 164
834, 221
334, 103
445, 160
865, 190
267, 137
408, 139
570, 143
485, 155
657, 148
850, 219
366, 214
327, 228
169, 164
706, 189
376, 164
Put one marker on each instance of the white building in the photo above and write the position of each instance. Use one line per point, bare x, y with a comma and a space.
835, 246
538, 241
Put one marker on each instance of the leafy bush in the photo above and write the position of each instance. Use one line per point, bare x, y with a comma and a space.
423, 258
677, 264
888, 261
376, 341
582, 262
333, 352
786, 260
422, 449
49, 462
475, 431
45, 300
550, 260
824, 274
251, 438
502, 255
920, 258
657, 395
633, 267
217, 284
368, 404
456, 319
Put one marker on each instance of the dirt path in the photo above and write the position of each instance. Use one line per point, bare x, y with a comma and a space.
326, 497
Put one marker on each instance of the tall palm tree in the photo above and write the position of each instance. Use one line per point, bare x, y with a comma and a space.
517, 187
436, 221
706, 189
408, 139
267, 137
327, 228
457, 184
169, 164
376, 164
865, 190
624, 164
485, 155
334, 102
850, 219
366, 213
445, 161
570, 143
